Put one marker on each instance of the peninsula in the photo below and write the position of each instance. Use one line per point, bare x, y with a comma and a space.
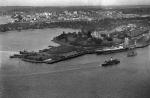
88, 41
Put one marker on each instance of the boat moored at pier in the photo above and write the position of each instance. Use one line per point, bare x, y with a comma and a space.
111, 50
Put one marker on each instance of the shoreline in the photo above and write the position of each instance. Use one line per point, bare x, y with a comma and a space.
77, 55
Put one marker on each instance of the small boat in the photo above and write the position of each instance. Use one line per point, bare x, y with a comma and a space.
111, 62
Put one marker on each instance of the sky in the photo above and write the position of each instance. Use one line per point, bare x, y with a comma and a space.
71, 2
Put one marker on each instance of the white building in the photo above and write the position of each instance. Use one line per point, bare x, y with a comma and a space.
97, 34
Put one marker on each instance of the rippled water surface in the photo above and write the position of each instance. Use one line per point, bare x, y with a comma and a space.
81, 77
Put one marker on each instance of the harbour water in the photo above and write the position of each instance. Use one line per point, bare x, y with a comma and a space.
80, 77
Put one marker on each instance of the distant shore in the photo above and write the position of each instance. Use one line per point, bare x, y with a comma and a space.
67, 24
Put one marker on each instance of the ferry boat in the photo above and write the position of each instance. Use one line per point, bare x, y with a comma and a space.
111, 62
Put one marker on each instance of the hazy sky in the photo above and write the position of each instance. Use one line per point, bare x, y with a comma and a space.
71, 2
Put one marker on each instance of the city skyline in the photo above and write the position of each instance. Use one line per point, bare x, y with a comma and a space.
72, 2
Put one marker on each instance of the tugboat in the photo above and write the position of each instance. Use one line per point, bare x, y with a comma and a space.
111, 62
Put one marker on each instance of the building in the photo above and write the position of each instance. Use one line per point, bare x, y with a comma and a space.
97, 34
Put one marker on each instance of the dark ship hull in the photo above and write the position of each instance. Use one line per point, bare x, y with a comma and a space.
111, 62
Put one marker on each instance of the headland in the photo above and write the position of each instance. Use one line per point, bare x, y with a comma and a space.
75, 44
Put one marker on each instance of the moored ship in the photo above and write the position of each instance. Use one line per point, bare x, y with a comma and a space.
111, 50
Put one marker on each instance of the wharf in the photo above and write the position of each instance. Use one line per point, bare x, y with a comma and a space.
97, 51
